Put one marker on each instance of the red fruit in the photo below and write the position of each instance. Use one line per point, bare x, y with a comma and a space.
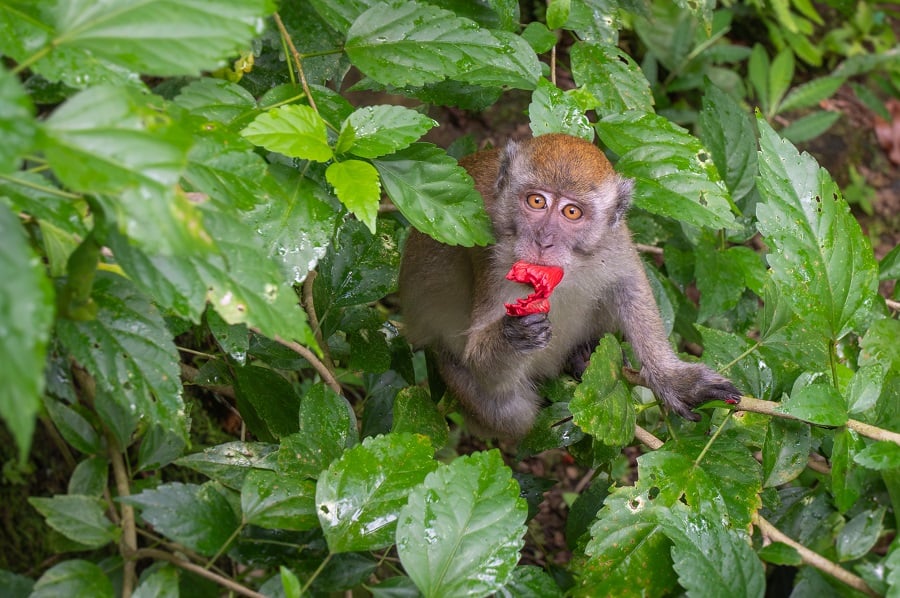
543, 278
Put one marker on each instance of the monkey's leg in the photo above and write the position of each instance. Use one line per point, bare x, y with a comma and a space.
499, 405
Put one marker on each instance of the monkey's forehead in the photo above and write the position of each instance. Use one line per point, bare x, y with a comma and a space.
565, 152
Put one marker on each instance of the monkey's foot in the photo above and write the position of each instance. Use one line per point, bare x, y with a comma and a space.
543, 278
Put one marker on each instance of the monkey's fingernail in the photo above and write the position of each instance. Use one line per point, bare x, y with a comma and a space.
733, 400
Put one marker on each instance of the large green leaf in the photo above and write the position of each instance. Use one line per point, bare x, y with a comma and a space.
711, 559
818, 403
79, 518
627, 554
215, 99
129, 351
26, 313
160, 37
73, 578
554, 111
229, 463
461, 532
602, 406
199, 517
435, 194
728, 133
294, 130
270, 397
273, 501
674, 174
820, 257
327, 429
359, 497
17, 125
116, 143
374, 131
612, 77
412, 44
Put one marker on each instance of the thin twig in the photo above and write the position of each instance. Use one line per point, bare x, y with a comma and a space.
648, 249
297, 60
314, 361
128, 523
894, 305
309, 306
811, 558
162, 555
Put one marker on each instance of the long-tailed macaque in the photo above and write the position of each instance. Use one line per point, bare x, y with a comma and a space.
554, 200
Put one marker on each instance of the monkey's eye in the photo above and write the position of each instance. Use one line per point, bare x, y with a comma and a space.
536, 201
572, 212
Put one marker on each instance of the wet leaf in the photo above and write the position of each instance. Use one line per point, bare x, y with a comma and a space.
327, 430
612, 77
817, 403
73, 578
200, 517
435, 194
602, 406
79, 518
820, 257
274, 501
270, 398
728, 133
357, 185
416, 413
711, 559
880, 455
786, 451
294, 130
860, 534
674, 174
160, 583
359, 497
374, 131
461, 532
17, 125
530, 580
215, 99
229, 463
554, 111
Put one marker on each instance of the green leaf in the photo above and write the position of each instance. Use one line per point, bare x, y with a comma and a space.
215, 99
880, 455
889, 267
674, 174
367, 339
226, 167
810, 126
435, 194
811, 93
129, 351
558, 13
73, 578
160, 37
270, 397
711, 559
245, 286
860, 534
730, 137
554, 111
879, 345
602, 406
296, 223
539, 37
26, 311
360, 496
864, 388
79, 518
461, 531
781, 74
613, 78
627, 554
17, 125
294, 130
229, 463
786, 451
720, 280
327, 430
847, 481
599, 20
416, 413
356, 184
817, 403
411, 44
530, 580
380, 130
272, 501
758, 68
199, 517
73, 426
89, 477
161, 583
820, 257
779, 553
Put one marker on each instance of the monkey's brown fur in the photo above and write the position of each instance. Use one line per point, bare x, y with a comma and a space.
453, 297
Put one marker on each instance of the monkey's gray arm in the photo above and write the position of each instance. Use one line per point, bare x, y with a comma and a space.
680, 385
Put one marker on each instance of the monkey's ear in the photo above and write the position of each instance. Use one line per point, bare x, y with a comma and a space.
624, 188
507, 158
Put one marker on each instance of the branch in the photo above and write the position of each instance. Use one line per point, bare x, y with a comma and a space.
769, 408
311, 357
771, 532
894, 305
152, 553
811, 558
290, 42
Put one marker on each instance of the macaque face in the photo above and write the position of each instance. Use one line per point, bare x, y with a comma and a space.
550, 221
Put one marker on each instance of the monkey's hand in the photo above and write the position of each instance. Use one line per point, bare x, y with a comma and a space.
690, 385
527, 333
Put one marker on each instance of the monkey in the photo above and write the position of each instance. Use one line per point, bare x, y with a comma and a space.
553, 200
